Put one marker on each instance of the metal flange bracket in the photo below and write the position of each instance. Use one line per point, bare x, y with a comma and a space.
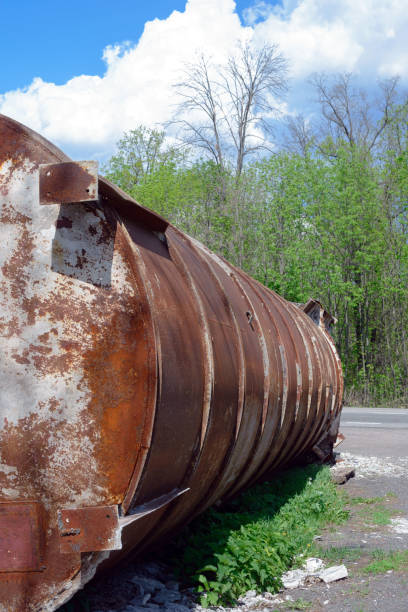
68, 182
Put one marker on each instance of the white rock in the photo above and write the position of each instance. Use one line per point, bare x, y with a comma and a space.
313, 564
331, 574
269, 595
275, 599
293, 578
341, 472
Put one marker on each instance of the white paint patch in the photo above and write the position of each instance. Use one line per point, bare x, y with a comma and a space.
11, 493
54, 278
119, 275
10, 470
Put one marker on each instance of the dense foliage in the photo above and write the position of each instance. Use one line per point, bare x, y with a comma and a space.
325, 218
252, 540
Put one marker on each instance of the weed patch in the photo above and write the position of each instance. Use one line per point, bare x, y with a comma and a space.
371, 510
299, 604
385, 561
249, 542
376, 514
340, 554
366, 500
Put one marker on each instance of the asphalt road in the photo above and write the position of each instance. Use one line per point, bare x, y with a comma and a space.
380, 432
379, 418
377, 439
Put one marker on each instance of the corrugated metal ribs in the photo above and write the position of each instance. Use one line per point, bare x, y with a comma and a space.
143, 377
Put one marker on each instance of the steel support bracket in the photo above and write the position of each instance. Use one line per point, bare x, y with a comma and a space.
89, 529
97, 528
68, 182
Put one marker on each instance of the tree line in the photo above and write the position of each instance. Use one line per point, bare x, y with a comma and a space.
312, 207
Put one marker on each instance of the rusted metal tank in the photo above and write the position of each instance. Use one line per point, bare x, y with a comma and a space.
142, 376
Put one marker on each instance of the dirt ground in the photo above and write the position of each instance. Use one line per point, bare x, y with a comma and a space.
354, 543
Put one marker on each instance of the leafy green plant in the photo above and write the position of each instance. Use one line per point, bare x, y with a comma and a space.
251, 540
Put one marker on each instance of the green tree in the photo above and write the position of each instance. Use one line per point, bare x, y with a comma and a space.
140, 153
325, 217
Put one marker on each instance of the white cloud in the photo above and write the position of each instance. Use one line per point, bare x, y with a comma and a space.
89, 113
258, 11
367, 36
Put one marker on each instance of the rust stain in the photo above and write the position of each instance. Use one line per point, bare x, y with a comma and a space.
68, 182
135, 362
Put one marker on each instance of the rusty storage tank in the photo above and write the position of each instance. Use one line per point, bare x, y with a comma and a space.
142, 377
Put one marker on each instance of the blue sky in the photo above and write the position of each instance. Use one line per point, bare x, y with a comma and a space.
82, 72
58, 40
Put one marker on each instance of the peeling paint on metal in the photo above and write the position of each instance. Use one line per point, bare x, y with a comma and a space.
135, 362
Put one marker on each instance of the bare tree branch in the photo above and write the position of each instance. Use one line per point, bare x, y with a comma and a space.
228, 108
350, 113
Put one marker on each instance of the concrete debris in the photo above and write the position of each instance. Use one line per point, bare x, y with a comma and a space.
313, 571
334, 573
151, 586
252, 601
375, 466
313, 565
294, 578
342, 472
248, 595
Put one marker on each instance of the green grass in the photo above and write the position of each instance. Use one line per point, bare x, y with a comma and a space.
385, 561
372, 509
382, 561
366, 500
340, 554
382, 516
376, 514
249, 542
299, 604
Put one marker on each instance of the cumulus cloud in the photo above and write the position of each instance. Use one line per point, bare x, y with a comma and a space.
89, 113
365, 37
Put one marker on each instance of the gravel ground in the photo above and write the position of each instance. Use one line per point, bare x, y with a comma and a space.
140, 586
